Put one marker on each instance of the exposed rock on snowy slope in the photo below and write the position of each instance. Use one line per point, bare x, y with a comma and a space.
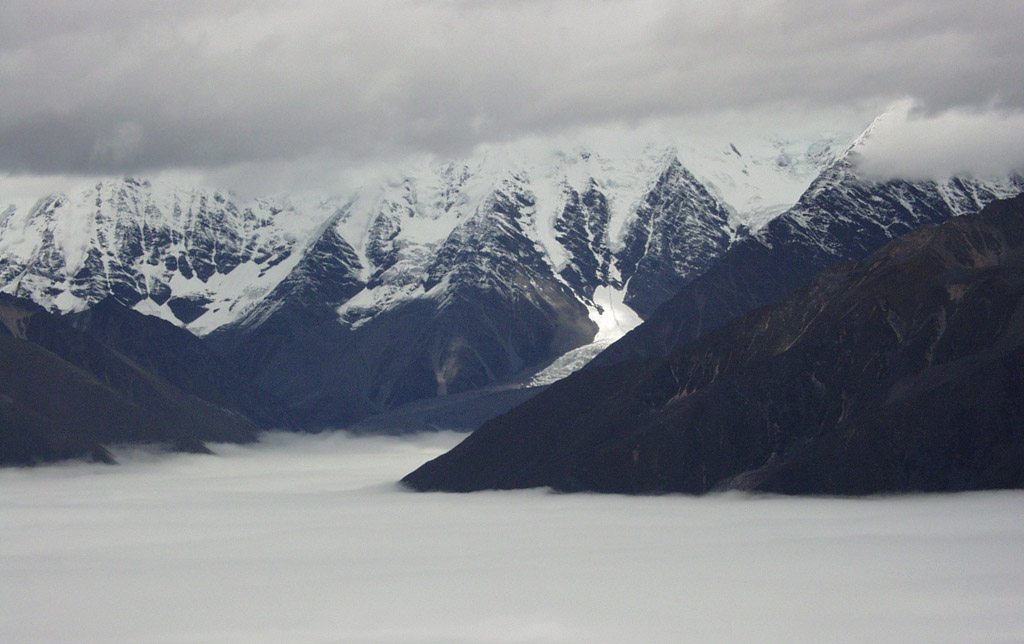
904, 372
442, 280
676, 231
194, 257
840, 217
487, 305
471, 281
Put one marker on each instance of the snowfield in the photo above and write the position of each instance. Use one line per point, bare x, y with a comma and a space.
308, 539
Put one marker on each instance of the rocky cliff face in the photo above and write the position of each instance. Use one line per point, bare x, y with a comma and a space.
840, 217
182, 254
432, 282
678, 231
901, 372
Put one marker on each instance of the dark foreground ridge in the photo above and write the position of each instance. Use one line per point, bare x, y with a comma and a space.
64, 394
187, 362
902, 372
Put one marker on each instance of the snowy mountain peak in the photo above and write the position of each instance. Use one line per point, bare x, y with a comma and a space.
175, 252
574, 218
446, 276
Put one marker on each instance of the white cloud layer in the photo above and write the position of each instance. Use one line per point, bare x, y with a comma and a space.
122, 86
305, 539
912, 145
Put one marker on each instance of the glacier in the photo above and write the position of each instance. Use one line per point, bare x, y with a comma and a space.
514, 264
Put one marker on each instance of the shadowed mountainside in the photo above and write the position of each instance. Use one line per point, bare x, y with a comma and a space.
65, 395
182, 359
902, 372
840, 217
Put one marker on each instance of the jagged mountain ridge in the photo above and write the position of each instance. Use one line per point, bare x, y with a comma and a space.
151, 243
169, 251
481, 294
460, 275
902, 372
840, 217
478, 272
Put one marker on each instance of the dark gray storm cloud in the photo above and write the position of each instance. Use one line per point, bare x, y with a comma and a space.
118, 85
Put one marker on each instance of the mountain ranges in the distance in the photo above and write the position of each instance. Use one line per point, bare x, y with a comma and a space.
438, 280
901, 372
462, 281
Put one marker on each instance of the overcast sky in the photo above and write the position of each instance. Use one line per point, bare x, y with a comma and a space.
118, 86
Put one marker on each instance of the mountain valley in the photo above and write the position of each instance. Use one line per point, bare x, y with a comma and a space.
450, 293
902, 372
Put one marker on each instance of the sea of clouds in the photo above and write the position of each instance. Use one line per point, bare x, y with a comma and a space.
307, 539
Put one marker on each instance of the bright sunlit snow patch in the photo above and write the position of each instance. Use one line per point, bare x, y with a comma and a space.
162, 311
614, 318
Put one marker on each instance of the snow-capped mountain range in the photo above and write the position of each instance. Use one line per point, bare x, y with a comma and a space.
440, 278
203, 258
840, 217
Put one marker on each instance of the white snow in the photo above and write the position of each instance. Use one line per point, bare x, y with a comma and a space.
369, 302
427, 199
567, 364
550, 195
65, 301
19, 238
162, 311
307, 539
232, 293
79, 226
625, 187
73, 232
614, 319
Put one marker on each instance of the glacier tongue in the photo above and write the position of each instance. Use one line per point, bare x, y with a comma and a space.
567, 364
614, 319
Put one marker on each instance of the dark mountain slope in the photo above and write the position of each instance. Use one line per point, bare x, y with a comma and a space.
63, 395
458, 412
174, 354
325, 277
840, 217
902, 372
493, 307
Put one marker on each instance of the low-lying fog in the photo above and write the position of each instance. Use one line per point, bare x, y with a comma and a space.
308, 540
